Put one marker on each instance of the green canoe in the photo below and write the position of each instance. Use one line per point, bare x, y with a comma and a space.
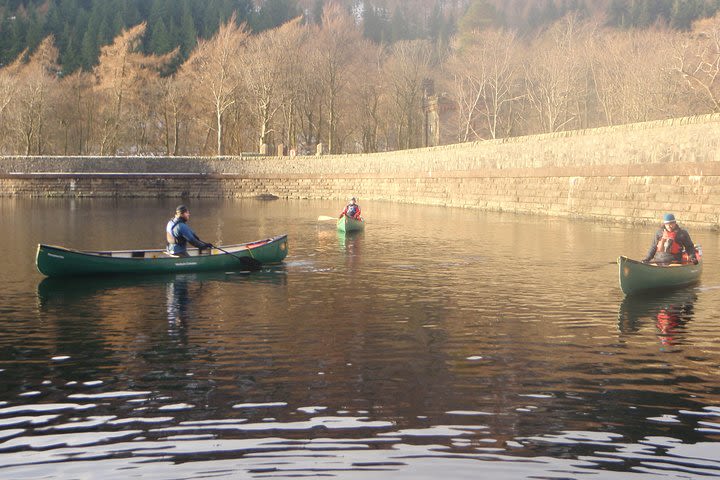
58, 261
347, 224
642, 277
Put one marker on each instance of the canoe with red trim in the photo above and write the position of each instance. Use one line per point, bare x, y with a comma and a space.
56, 261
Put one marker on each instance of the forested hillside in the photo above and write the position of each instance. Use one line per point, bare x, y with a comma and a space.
82, 27
221, 81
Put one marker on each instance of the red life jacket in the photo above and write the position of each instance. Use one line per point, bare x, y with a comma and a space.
668, 243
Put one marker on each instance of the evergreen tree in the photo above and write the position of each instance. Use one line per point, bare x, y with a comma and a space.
317, 11
683, 13
274, 13
187, 31
16, 39
70, 58
641, 13
619, 13
549, 13
398, 26
159, 39
89, 49
448, 29
435, 22
479, 16
54, 24
130, 14
34, 33
374, 26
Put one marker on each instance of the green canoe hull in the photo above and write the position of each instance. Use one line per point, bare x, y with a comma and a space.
636, 277
347, 224
62, 262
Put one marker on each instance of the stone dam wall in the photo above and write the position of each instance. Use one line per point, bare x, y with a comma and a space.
628, 174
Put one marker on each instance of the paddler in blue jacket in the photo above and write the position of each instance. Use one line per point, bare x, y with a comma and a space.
178, 234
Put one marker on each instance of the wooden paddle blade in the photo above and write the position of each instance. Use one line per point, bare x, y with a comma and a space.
323, 218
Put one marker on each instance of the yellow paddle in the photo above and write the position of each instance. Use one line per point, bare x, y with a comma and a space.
323, 218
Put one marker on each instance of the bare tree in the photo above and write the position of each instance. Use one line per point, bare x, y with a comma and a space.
296, 42
213, 69
34, 96
697, 59
370, 90
333, 57
123, 75
485, 72
9, 84
172, 110
309, 91
405, 71
269, 67
75, 113
554, 76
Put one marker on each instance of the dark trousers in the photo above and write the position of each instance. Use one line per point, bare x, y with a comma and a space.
664, 257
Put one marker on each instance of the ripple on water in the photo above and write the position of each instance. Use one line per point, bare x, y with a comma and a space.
260, 405
46, 407
441, 360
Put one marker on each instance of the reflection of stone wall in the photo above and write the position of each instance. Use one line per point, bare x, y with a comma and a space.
629, 173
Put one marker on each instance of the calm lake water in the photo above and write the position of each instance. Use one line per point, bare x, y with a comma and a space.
439, 343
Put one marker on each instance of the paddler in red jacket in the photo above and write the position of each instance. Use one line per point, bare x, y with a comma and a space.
670, 242
352, 210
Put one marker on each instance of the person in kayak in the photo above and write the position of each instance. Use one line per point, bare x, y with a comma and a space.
178, 234
670, 242
352, 210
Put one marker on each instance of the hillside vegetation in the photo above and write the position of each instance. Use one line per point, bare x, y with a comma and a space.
266, 76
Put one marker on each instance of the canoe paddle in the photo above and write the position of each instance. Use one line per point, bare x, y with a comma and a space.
323, 218
248, 262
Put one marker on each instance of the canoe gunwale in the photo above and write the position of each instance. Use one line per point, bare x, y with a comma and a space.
636, 277
234, 248
55, 261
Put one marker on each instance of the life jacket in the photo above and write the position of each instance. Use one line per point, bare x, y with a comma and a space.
352, 210
170, 232
668, 244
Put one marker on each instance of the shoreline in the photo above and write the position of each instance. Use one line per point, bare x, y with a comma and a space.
631, 173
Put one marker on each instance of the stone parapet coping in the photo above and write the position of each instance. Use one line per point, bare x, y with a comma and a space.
629, 170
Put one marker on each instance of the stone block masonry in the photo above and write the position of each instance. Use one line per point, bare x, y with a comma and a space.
630, 173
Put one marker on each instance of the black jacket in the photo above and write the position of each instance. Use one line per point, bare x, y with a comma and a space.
682, 237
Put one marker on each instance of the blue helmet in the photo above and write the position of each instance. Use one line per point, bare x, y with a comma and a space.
668, 218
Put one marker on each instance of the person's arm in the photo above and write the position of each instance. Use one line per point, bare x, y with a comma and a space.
343, 212
357, 214
192, 239
687, 242
651, 251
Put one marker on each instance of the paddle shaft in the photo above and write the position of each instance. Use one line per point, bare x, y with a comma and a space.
247, 261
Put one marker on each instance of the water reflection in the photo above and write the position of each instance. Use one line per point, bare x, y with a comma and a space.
361, 358
54, 290
178, 298
669, 312
351, 244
